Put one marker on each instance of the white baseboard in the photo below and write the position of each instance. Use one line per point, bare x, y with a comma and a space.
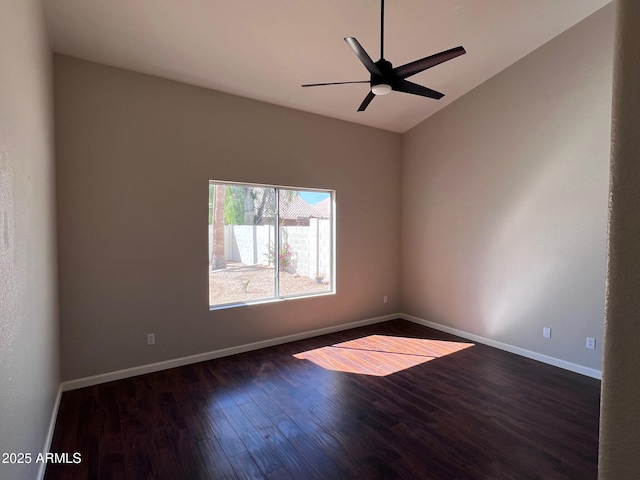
202, 357
573, 367
52, 427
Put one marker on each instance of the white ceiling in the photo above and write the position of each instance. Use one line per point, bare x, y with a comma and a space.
266, 49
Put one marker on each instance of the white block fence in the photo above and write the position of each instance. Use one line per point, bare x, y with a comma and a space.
249, 244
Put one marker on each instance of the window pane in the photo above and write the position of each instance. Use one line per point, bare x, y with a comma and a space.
305, 242
241, 243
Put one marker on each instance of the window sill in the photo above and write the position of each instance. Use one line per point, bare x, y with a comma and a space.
270, 300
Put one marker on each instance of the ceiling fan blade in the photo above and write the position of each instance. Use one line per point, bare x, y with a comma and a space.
418, 66
409, 87
363, 56
365, 103
332, 83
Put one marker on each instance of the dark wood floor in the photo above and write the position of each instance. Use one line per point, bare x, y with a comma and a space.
392, 400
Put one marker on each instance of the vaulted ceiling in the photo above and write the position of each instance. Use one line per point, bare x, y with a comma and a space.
265, 50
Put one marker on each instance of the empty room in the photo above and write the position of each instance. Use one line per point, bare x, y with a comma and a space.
320, 239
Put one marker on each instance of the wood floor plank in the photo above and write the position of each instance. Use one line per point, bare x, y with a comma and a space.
290, 458
64, 436
281, 474
210, 461
425, 405
111, 449
246, 467
265, 403
224, 432
320, 462
262, 454
88, 436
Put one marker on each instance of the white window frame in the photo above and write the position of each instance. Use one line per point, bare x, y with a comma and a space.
277, 242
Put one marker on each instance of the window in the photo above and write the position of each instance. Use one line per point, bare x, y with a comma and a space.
268, 242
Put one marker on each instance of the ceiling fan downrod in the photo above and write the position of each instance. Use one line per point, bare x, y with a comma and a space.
382, 31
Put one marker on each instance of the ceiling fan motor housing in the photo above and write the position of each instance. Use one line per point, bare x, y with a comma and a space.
386, 69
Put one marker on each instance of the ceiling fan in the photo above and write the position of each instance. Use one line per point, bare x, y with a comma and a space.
385, 78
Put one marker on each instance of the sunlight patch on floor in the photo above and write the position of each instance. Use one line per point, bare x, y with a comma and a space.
380, 355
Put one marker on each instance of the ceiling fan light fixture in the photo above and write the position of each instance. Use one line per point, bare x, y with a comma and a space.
381, 89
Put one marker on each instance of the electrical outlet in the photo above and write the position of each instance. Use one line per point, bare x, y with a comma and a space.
151, 338
546, 332
591, 343
385, 299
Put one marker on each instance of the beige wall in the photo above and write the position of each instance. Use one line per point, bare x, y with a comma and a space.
620, 411
504, 208
134, 156
29, 357
502, 214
